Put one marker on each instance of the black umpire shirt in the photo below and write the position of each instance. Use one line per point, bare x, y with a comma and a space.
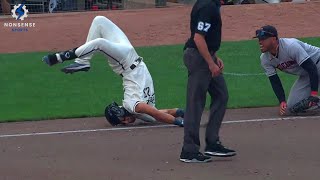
206, 20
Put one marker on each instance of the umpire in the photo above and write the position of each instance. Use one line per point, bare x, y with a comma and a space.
204, 75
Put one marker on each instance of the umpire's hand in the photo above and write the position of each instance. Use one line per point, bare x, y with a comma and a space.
220, 64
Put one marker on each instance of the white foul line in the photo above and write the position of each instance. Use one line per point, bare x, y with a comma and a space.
148, 127
83, 131
243, 74
270, 119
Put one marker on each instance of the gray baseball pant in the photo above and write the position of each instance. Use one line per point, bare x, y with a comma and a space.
200, 81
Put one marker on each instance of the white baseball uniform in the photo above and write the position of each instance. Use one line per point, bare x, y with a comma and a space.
108, 38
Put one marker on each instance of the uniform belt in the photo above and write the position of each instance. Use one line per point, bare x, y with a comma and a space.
134, 64
212, 53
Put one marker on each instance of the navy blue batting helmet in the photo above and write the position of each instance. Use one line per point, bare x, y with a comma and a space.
114, 112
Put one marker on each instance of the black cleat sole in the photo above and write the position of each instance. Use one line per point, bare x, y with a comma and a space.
70, 71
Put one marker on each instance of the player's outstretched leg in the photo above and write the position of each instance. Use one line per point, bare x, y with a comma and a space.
60, 57
103, 36
52, 59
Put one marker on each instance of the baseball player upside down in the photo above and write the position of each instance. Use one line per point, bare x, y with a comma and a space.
139, 95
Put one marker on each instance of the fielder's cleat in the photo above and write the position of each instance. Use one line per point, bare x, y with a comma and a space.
50, 59
219, 150
194, 157
312, 107
75, 67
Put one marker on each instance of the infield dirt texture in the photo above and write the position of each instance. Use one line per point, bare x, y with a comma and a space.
160, 26
82, 149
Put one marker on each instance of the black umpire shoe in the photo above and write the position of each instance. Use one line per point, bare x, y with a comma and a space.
194, 157
219, 150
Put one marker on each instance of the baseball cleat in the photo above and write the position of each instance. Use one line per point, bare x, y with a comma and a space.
50, 59
313, 107
179, 122
75, 67
194, 157
219, 150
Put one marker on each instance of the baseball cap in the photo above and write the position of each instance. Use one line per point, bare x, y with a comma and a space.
265, 32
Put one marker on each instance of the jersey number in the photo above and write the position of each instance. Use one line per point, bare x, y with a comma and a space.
148, 96
203, 26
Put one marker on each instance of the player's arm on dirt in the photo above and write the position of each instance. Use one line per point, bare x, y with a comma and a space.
157, 114
279, 92
277, 87
176, 112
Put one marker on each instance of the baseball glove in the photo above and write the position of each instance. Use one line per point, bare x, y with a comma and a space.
305, 104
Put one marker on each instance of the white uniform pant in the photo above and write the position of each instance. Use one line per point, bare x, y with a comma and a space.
106, 37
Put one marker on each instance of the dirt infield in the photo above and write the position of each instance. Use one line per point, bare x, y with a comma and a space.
159, 26
82, 149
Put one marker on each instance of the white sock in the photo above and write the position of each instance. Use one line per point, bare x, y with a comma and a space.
82, 61
58, 57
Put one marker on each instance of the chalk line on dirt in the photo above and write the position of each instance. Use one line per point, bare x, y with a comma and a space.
148, 127
243, 74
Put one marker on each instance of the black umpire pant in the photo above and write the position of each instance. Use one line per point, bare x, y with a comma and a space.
200, 81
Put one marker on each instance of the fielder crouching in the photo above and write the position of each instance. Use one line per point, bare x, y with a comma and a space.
294, 57
139, 96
